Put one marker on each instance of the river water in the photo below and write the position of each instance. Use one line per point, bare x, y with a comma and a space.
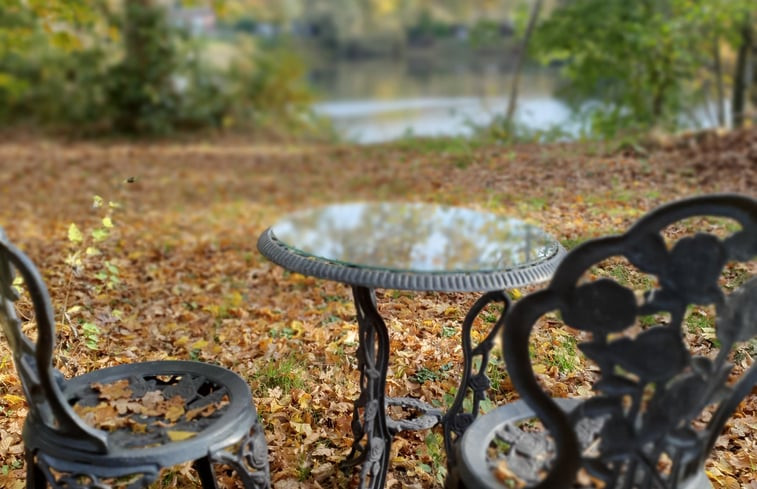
378, 100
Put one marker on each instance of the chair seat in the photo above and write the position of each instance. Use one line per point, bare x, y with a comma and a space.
162, 412
498, 445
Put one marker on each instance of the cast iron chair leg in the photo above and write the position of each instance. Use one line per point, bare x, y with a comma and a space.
35, 479
204, 468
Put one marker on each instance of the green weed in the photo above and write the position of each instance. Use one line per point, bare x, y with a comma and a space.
564, 355
434, 447
286, 374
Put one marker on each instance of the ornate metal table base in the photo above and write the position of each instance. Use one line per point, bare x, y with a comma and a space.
372, 428
410, 246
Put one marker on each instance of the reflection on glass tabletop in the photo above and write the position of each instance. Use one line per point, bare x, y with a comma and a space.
411, 239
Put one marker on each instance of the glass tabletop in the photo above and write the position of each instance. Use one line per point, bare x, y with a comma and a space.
411, 246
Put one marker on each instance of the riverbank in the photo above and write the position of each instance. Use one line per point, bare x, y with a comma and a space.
191, 284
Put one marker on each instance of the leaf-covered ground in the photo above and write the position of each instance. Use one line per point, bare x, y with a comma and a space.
178, 274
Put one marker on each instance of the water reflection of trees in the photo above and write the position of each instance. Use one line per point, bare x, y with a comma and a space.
419, 237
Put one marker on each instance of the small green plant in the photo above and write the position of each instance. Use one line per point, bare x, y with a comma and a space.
304, 469
286, 374
449, 331
497, 374
424, 374
91, 334
564, 355
434, 447
698, 321
85, 255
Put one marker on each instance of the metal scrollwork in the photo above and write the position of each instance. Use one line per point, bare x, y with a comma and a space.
651, 388
208, 406
456, 420
249, 459
86, 478
373, 437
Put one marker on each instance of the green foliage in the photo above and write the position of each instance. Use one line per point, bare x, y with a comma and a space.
424, 374
269, 84
434, 459
564, 355
85, 257
634, 65
97, 68
286, 374
485, 33
139, 88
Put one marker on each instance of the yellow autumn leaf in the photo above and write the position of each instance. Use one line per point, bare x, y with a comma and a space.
174, 412
304, 401
297, 327
198, 345
451, 311
302, 428
14, 401
74, 234
178, 435
275, 407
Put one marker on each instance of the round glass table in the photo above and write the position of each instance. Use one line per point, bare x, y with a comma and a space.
410, 246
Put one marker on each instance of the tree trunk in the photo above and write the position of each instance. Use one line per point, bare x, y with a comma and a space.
719, 94
519, 61
742, 77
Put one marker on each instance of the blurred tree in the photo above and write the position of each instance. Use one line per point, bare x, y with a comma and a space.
25, 27
521, 56
140, 88
742, 78
641, 62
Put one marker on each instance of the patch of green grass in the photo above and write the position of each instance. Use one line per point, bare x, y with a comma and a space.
497, 374
570, 243
490, 317
304, 469
648, 321
533, 203
564, 355
626, 276
735, 275
449, 145
621, 275
286, 374
698, 321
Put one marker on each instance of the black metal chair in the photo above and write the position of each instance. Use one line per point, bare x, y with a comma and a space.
142, 417
644, 427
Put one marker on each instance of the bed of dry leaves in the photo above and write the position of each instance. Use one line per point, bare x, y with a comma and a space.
179, 275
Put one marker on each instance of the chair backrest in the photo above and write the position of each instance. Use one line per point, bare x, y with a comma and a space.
650, 388
33, 359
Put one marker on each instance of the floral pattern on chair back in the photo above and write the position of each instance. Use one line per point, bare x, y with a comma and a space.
661, 405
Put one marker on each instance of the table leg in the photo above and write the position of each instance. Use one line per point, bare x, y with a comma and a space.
456, 420
373, 437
